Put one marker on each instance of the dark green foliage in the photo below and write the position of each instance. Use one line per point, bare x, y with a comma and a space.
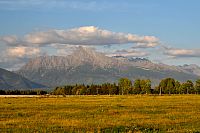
187, 87
22, 92
177, 87
197, 86
124, 87
142, 86
167, 86
137, 88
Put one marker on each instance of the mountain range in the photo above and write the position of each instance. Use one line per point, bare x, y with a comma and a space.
87, 66
10, 80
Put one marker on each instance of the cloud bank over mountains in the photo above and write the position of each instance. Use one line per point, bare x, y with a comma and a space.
22, 51
180, 53
20, 48
88, 35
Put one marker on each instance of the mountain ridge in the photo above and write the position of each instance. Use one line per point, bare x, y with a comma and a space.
88, 66
10, 80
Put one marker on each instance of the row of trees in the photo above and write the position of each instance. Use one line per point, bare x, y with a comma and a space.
125, 86
171, 86
22, 92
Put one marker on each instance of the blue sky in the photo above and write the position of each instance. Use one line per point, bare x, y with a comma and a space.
175, 23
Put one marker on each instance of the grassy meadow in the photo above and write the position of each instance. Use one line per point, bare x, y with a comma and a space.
137, 113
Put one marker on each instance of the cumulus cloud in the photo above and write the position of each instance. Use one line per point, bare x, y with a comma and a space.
63, 49
128, 53
63, 42
88, 35
145, 45
178, 53
10, 40
12, 58
22, 51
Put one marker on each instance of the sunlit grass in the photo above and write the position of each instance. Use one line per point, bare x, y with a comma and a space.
178, 113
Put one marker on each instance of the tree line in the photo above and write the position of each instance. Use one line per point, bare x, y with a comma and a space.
23, 92
126, 86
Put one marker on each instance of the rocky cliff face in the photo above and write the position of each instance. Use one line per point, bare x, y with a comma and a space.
194, 69
88, 66
145, 63
81, 56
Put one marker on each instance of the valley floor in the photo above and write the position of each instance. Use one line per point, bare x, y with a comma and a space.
176, 113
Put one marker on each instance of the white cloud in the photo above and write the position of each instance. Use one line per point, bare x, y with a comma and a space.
63, 49
12, 58
17, 50
88, 35
145, 45
22, 51
176, 52
9, 40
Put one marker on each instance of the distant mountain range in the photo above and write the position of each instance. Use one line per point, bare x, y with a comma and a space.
145, 63
87, 66
10, 80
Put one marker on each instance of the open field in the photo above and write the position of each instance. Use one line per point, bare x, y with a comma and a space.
178, 113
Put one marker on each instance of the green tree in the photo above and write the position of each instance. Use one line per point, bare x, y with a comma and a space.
162, 86
190, 87
197, 86
170, 85
59, 91
137, 89
142, 85
148, 86
177, 87
167, 86
82, 90
124, 85
183, 88
145, 86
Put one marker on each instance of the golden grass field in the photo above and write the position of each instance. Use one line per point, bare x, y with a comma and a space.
137, 113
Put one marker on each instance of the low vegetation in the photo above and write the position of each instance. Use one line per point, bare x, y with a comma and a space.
124, 113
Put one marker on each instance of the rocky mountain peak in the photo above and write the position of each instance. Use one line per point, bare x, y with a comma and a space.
85, 65
86, 54
192, 68
80, 56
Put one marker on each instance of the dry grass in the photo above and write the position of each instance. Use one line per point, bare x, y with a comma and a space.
178, 113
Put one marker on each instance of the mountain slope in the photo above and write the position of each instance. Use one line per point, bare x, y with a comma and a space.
194, 69
87, 66
145, 63
10, 80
